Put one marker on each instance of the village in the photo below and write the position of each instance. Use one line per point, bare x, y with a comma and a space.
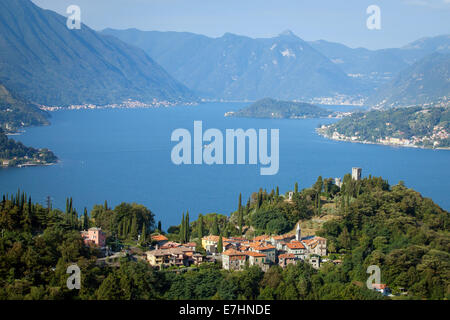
234, 253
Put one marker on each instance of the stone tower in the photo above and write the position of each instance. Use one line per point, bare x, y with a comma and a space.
356, 173
298, 233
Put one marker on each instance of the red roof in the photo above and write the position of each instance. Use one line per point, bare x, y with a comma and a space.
159, 237
255, 254
233, 252
262, 248
296, 245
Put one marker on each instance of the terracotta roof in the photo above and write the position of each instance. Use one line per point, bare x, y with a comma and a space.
286, 256
233, 252
295, 245
255, 254
261, 238
262, 248
190, 244
159, 237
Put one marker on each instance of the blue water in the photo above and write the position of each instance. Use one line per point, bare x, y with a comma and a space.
124, 155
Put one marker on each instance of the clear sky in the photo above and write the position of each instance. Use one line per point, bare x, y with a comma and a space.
344, 21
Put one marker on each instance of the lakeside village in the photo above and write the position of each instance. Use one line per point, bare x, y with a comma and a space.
127, 104
439, 133
233, 253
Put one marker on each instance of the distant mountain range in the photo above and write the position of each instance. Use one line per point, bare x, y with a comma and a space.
276, 109
283, 67
426, 81
46, 63
380, 66
238, 67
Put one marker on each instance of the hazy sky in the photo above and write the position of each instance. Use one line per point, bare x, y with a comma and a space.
344, 21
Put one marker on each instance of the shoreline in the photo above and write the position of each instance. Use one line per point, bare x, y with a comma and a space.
380, 143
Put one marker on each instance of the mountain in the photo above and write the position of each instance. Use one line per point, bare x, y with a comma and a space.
271, 108
46, 63
376, 67
418, 49
16, 113
239, 67
426, 81
373, 67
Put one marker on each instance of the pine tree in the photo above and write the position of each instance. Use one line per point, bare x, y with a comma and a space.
220, 245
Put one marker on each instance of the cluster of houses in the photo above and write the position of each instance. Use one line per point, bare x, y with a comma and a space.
238, 252
263, 251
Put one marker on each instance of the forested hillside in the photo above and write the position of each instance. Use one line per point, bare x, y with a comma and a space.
392, 227
271, 108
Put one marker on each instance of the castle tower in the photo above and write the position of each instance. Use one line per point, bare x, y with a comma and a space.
298, 233
356, 173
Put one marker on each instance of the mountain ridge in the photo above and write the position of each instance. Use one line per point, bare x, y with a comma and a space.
239, 67
58, 66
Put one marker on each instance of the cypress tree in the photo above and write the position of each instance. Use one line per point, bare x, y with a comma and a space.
85, 219
278, 192
296, 187
106, 205
240, 202
220, 245
182, 226
187, 228
159, 226
200, 226
134, 228
143, 234
215, 227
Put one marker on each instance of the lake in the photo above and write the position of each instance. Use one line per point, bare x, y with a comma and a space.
124, 155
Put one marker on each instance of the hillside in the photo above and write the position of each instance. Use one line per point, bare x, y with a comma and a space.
392, 227
414, 126
239, 67
426, 81
271, 108
16, 113
46, 63
13, 153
